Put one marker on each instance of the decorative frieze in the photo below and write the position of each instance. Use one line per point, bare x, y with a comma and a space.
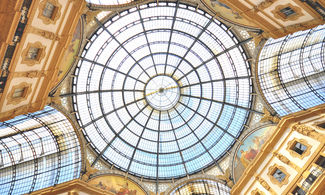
285, 160
308, 131
263, 5
44, 33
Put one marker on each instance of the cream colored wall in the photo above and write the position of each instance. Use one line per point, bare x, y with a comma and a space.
260, 188
65, 19
299, 162
37, 89
44, 64
270, 18
291, 174
83, 193
246, 4
54, 35
50, 27
256, 2
283, 138
17, 81
51, 56
306, 16
253, 183
265, 15
32, 38
263, 169
296, 166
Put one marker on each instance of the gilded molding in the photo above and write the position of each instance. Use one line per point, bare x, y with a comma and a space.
56, 14
290, 145
285, 160
301, 26
264, 184
308, 131
277, 13
271, 171
316, 125
90, 14
89, 171
263, 5
56, 100
285, 124
268, 117
17, 100
16, 112
226, 177
30, 74
187, 179
44, 33
39, 57
257, 191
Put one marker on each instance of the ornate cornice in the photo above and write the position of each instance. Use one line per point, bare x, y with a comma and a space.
308, 131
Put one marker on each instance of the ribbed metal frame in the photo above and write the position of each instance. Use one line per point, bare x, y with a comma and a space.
106, 66
26, 145
272, 92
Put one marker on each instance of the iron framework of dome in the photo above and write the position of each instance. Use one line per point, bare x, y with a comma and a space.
162, 91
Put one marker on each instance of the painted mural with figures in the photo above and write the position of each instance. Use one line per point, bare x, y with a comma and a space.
227, 13
72, 51
250, 147
117, 185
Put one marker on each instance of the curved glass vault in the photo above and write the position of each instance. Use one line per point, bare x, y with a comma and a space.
37, 150
162, 91
291, 71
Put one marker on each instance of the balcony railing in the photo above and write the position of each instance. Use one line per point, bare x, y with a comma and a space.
314, 174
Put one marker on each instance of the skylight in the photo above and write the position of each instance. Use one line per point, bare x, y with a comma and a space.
162, 91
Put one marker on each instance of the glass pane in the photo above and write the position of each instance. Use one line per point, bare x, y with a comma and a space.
39, 150
151, 90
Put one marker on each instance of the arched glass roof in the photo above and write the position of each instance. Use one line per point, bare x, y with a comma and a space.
162, 91
37, 150
291, 71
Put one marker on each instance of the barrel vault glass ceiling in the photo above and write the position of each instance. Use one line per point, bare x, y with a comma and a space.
162, 91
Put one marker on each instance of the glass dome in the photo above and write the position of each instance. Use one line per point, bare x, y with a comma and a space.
162, 91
